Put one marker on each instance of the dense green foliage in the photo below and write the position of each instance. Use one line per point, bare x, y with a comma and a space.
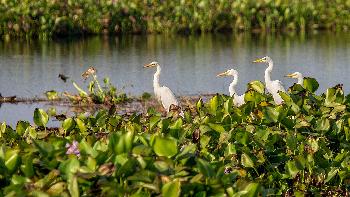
52, 17
301, 147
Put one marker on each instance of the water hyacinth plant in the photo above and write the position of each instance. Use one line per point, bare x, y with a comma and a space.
46, 18
301, 147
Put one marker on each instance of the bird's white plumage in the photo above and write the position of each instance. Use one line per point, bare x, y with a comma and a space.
238, 100
163, 94
272, 86
166, 97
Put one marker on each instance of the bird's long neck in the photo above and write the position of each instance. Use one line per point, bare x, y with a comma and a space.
156, 79
300, 80
232, 86
268, 72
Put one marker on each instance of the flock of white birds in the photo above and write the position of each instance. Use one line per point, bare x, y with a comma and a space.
167, 98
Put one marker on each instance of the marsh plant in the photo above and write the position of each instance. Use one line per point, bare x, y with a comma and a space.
46, 18
106, 94
298, 148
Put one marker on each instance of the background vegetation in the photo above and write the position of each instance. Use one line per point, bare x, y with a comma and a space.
60, 17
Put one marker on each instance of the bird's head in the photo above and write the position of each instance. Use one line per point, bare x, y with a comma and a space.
230, 72
265, 59
152, 64
294, 75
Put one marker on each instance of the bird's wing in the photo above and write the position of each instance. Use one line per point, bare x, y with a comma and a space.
278, 86
167, 97
240, 100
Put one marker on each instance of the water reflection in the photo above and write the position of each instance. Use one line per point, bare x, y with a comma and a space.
190, 63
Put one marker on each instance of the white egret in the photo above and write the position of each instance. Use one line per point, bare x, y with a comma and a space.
272, 86
297, 75
237, 100
163, 94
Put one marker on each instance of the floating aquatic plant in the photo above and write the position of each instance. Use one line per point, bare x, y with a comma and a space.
301, 147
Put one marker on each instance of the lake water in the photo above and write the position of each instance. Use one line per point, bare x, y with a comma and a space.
189, 63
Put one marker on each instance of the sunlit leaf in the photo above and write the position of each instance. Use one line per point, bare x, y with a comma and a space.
68, 124
40, 117
51, 95
165, 146
257, 86
172, 189
310, 84
247, 161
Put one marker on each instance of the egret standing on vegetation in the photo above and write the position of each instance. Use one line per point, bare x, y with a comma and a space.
237, 100
272, 86
297, 75
162, 93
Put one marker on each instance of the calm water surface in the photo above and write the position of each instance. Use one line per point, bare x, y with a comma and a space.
189, 64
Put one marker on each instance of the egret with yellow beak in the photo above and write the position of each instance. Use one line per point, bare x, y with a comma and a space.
272, 86
163, 94
237, 100
297, 75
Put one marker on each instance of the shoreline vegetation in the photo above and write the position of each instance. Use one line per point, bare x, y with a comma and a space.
47, 18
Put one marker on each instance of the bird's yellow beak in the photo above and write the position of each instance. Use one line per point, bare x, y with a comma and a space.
149, 65
258, 60
292, 75
222, 74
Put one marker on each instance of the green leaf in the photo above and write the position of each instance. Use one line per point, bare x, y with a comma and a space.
322, 124
153, 121
270, 114
68, 124
122, 143
217, 127
205, 168
310, 84
252, 190
2, 129
12, 160
258, 86
333, 171
21, 127
199, 104
40, 117
27, 167
51, 95
81, 125
213, 105
285, 97
228, 106
253, 96
86, 148
247, 161
172, 189
292, 168
73, 186
165, 146
31, 132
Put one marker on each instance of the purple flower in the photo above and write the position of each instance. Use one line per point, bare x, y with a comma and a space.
228, 170
73, 148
